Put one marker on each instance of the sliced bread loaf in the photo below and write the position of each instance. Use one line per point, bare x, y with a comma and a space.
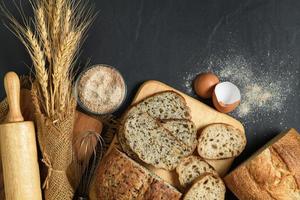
181, 129
219, 141
118, 177
192, 167
153, 143
207, 187
163, 105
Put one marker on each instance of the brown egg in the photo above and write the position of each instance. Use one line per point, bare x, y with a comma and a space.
204, 84
226, 97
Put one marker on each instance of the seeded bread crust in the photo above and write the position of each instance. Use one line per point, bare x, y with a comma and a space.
221, 141
120, 178
160, 190
192, 167
206, 187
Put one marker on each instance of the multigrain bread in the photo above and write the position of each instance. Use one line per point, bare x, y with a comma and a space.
163, 105
118, 177
191, 168
158, 130
182, 129
152, 143
206, 187
272, 173
220, 141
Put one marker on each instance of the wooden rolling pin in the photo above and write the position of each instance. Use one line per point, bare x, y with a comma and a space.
18, 148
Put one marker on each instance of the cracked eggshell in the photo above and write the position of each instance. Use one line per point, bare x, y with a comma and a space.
226, 97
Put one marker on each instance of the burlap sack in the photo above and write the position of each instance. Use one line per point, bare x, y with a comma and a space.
55, 141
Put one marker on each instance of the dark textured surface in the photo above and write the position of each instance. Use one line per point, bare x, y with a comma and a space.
164, 40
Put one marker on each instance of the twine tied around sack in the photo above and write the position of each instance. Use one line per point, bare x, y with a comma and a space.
50, 169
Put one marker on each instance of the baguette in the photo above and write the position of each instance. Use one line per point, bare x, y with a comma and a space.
206, 187
220, 141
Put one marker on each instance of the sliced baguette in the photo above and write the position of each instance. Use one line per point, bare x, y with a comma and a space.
207, 187
220, 141
192, 167
153, 143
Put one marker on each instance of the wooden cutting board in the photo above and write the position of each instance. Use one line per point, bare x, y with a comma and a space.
202, 115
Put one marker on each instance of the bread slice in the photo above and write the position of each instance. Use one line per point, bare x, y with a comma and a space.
219, 141
207, 187
120, 178
163, 105
153, 143
183, 130
192, 167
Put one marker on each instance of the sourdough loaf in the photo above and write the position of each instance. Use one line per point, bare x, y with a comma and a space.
220, 141
118, 177
191, 168
206, 187
273, 172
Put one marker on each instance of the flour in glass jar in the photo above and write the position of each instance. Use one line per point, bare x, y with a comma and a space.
101, 89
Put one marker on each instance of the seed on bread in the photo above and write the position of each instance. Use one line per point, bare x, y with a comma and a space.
220, 141
206, 187
192, 167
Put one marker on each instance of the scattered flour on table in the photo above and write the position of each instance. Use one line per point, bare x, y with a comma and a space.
262, 92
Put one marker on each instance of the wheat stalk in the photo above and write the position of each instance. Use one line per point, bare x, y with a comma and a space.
50, 8
56, 20
38, 60
67, 23
43, 30
60, 29
63, 58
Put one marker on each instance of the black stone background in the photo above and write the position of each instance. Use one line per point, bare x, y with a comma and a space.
165, 39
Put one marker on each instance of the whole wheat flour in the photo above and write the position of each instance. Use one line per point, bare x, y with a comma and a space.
101, 89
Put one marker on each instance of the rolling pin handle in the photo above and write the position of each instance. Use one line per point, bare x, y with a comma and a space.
12, 89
